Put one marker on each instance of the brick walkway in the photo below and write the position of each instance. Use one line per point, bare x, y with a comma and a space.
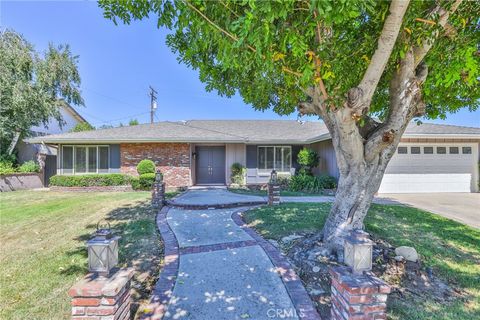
218, 268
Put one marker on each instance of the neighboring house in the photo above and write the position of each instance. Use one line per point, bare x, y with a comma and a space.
430, 157
30, 151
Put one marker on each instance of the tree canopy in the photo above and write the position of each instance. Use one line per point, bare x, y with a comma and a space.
271, 51
82, 126
32, 85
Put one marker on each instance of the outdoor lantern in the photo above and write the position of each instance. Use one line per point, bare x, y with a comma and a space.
102, 251
273, 176
158, 176
358, 251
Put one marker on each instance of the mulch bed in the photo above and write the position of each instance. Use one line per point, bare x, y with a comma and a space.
410, 281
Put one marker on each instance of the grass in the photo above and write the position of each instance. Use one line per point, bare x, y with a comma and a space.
450, 248
43, 250
283, 193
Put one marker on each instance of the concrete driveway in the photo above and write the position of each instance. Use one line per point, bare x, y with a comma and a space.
462, 207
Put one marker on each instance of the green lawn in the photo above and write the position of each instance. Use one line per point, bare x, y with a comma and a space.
284, 193
43, 251
450, 248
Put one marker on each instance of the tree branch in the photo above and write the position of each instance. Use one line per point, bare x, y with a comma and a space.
382, 54
405, 99
421, 51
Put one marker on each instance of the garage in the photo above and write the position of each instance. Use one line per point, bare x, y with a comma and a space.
423, 168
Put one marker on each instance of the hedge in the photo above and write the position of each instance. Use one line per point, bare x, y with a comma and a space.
143, 182
90, 180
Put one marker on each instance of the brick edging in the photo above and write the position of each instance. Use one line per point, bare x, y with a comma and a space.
214, 206
162, 293
299, 296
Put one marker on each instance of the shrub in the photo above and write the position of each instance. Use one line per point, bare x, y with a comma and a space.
6, 167
238, 174
307, 159
309, 183
146, 166
143, 182
328, 182
283, 182
29, 166
90, 180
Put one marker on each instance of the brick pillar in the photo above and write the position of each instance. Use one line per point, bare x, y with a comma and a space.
362, 297
158, 195
273, 194
102, 298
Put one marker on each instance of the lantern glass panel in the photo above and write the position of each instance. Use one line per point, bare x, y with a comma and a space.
363, 258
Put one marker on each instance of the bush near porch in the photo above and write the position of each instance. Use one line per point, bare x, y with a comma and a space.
43, 251
450, 249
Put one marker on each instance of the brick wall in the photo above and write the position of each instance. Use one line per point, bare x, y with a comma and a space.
173, 160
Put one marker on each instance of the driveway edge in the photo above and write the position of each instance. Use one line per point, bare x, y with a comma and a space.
299, 296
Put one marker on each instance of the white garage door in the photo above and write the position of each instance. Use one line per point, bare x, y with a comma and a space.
430, 168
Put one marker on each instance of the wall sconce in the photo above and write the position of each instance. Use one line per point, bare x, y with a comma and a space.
194, 156
358, 251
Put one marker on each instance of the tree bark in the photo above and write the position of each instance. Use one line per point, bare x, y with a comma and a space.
363, 154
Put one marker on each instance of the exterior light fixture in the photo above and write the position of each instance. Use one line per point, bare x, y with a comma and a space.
273, 177
158, 176
102, 251
358, 251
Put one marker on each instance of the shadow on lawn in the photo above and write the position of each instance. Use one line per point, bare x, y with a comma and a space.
140, 247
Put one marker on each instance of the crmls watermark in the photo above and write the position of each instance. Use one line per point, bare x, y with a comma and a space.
288, 313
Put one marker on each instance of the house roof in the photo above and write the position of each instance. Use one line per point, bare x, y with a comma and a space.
231, 131
72, 111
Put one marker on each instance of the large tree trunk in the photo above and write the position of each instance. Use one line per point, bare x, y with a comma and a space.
364, 151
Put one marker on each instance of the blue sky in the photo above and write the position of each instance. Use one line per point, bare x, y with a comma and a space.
118, 63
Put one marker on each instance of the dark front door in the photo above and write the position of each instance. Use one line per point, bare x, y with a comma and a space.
210, 165
50, 168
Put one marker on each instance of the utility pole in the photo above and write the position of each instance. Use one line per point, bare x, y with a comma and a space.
153, 102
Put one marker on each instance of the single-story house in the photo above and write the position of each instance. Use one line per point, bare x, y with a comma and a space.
430, 157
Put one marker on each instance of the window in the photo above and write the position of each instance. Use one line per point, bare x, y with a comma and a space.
467, 150
85, 159
67, 159
428, 150
402, 150
415, 150
80, 159
92, 159
103, 155
441, 150
278, 158
453, 150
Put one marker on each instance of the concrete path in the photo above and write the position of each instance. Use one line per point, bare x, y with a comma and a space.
377, 200
221, 269
214, 196
462, 207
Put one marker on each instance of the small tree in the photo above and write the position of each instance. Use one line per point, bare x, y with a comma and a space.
82, 126
133, 122
307, 159
32, 86
238, 174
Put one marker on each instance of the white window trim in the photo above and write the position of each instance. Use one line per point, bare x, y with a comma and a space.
266, 171
74, 146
